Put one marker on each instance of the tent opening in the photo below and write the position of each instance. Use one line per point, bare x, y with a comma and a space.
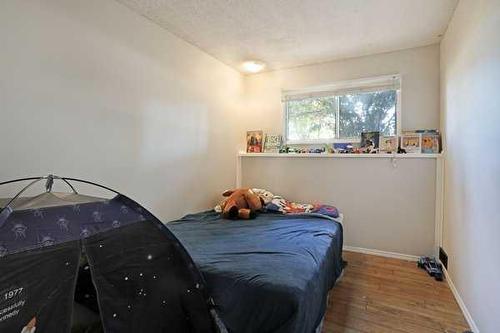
86, 314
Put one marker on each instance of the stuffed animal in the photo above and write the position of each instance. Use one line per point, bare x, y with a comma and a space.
240, 203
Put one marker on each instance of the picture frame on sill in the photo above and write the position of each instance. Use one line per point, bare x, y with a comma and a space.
254, 141
273, 143
431, 143
370, 140
411, 143
388, 144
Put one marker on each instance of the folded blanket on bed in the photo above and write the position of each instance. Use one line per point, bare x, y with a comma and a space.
281, 205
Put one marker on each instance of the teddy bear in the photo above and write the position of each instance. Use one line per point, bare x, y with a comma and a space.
240, 203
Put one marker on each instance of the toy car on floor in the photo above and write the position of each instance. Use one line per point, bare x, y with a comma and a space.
432, 267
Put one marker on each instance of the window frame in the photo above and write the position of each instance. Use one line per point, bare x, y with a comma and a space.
339, 86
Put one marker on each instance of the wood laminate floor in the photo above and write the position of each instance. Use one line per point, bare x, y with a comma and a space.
380, 294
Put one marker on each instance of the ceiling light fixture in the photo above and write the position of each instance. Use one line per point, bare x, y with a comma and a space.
253, 66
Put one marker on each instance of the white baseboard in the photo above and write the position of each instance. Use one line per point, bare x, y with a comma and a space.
381, 253
461, 303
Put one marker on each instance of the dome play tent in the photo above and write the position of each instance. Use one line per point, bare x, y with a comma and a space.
63, 252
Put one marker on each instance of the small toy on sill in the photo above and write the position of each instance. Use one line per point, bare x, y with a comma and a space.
356, 151
369, 150
284, 150
343, 148
316, 150
329, 149
432, 267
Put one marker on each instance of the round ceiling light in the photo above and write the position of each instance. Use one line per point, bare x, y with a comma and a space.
253, 66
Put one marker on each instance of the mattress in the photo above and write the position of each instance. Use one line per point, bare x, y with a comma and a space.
271, 274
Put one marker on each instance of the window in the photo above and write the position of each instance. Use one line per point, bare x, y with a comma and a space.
341, 112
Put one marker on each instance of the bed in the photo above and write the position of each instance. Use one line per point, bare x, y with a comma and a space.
271, 274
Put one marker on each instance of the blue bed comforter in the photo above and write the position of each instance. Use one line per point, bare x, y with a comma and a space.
271, 274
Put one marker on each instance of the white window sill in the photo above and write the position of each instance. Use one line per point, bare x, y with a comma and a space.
325, 155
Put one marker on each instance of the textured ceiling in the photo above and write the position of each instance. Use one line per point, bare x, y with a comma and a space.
289, 33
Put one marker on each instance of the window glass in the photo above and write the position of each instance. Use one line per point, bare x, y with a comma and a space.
312, 119
367, 112
341, 117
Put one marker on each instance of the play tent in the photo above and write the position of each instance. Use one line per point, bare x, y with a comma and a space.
62, 252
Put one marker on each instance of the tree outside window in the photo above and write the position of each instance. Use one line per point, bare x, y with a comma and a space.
325, 119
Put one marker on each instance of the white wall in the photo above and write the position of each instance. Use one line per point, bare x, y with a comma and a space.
470, 77
419, 69
386, 208
90, 89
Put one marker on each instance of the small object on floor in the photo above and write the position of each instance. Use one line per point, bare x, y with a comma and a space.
432, 267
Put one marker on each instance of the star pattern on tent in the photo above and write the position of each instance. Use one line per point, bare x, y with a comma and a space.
141, 280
